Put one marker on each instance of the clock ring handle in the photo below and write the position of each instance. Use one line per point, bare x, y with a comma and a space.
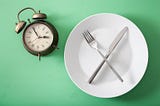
27, 8
21, 24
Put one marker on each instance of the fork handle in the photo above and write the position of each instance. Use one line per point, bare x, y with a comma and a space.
98, 68
96, 72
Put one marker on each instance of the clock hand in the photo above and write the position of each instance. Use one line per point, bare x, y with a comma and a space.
39, 37
34, 40
43, 36
35, 32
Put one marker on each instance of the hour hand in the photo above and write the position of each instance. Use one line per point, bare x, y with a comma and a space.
44, 36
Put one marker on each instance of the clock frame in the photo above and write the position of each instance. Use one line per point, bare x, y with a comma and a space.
52, 47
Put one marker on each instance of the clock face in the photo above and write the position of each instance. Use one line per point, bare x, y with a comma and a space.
38, 37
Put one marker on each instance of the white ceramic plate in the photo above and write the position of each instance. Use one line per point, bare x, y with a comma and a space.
130, 58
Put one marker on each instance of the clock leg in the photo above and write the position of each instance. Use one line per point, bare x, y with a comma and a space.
56, 47
39, 56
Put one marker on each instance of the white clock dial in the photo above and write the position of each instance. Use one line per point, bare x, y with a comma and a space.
38, 37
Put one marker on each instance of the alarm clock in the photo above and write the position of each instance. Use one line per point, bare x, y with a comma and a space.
39, 37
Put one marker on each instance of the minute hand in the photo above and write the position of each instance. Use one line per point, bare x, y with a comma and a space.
35, 32
111, 48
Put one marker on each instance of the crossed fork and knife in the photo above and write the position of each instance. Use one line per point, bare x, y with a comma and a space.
94, 44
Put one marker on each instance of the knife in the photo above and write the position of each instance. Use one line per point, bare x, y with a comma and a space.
113, 45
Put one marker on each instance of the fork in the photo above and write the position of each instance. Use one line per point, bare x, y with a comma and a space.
94, 44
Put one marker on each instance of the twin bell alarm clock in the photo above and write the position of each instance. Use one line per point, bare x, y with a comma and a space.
39, 37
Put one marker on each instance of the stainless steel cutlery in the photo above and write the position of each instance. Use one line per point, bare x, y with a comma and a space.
113, 45
94, 44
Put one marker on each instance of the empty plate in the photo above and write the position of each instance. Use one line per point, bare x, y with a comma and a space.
130, 58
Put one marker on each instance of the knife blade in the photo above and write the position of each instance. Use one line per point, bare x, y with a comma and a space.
117, 40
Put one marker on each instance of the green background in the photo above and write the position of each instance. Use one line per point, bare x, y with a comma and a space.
24, 81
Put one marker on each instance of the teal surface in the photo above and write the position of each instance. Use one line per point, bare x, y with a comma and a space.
24, 81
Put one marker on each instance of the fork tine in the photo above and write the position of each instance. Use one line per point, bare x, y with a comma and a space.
87, 35
90, 35
84, 34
